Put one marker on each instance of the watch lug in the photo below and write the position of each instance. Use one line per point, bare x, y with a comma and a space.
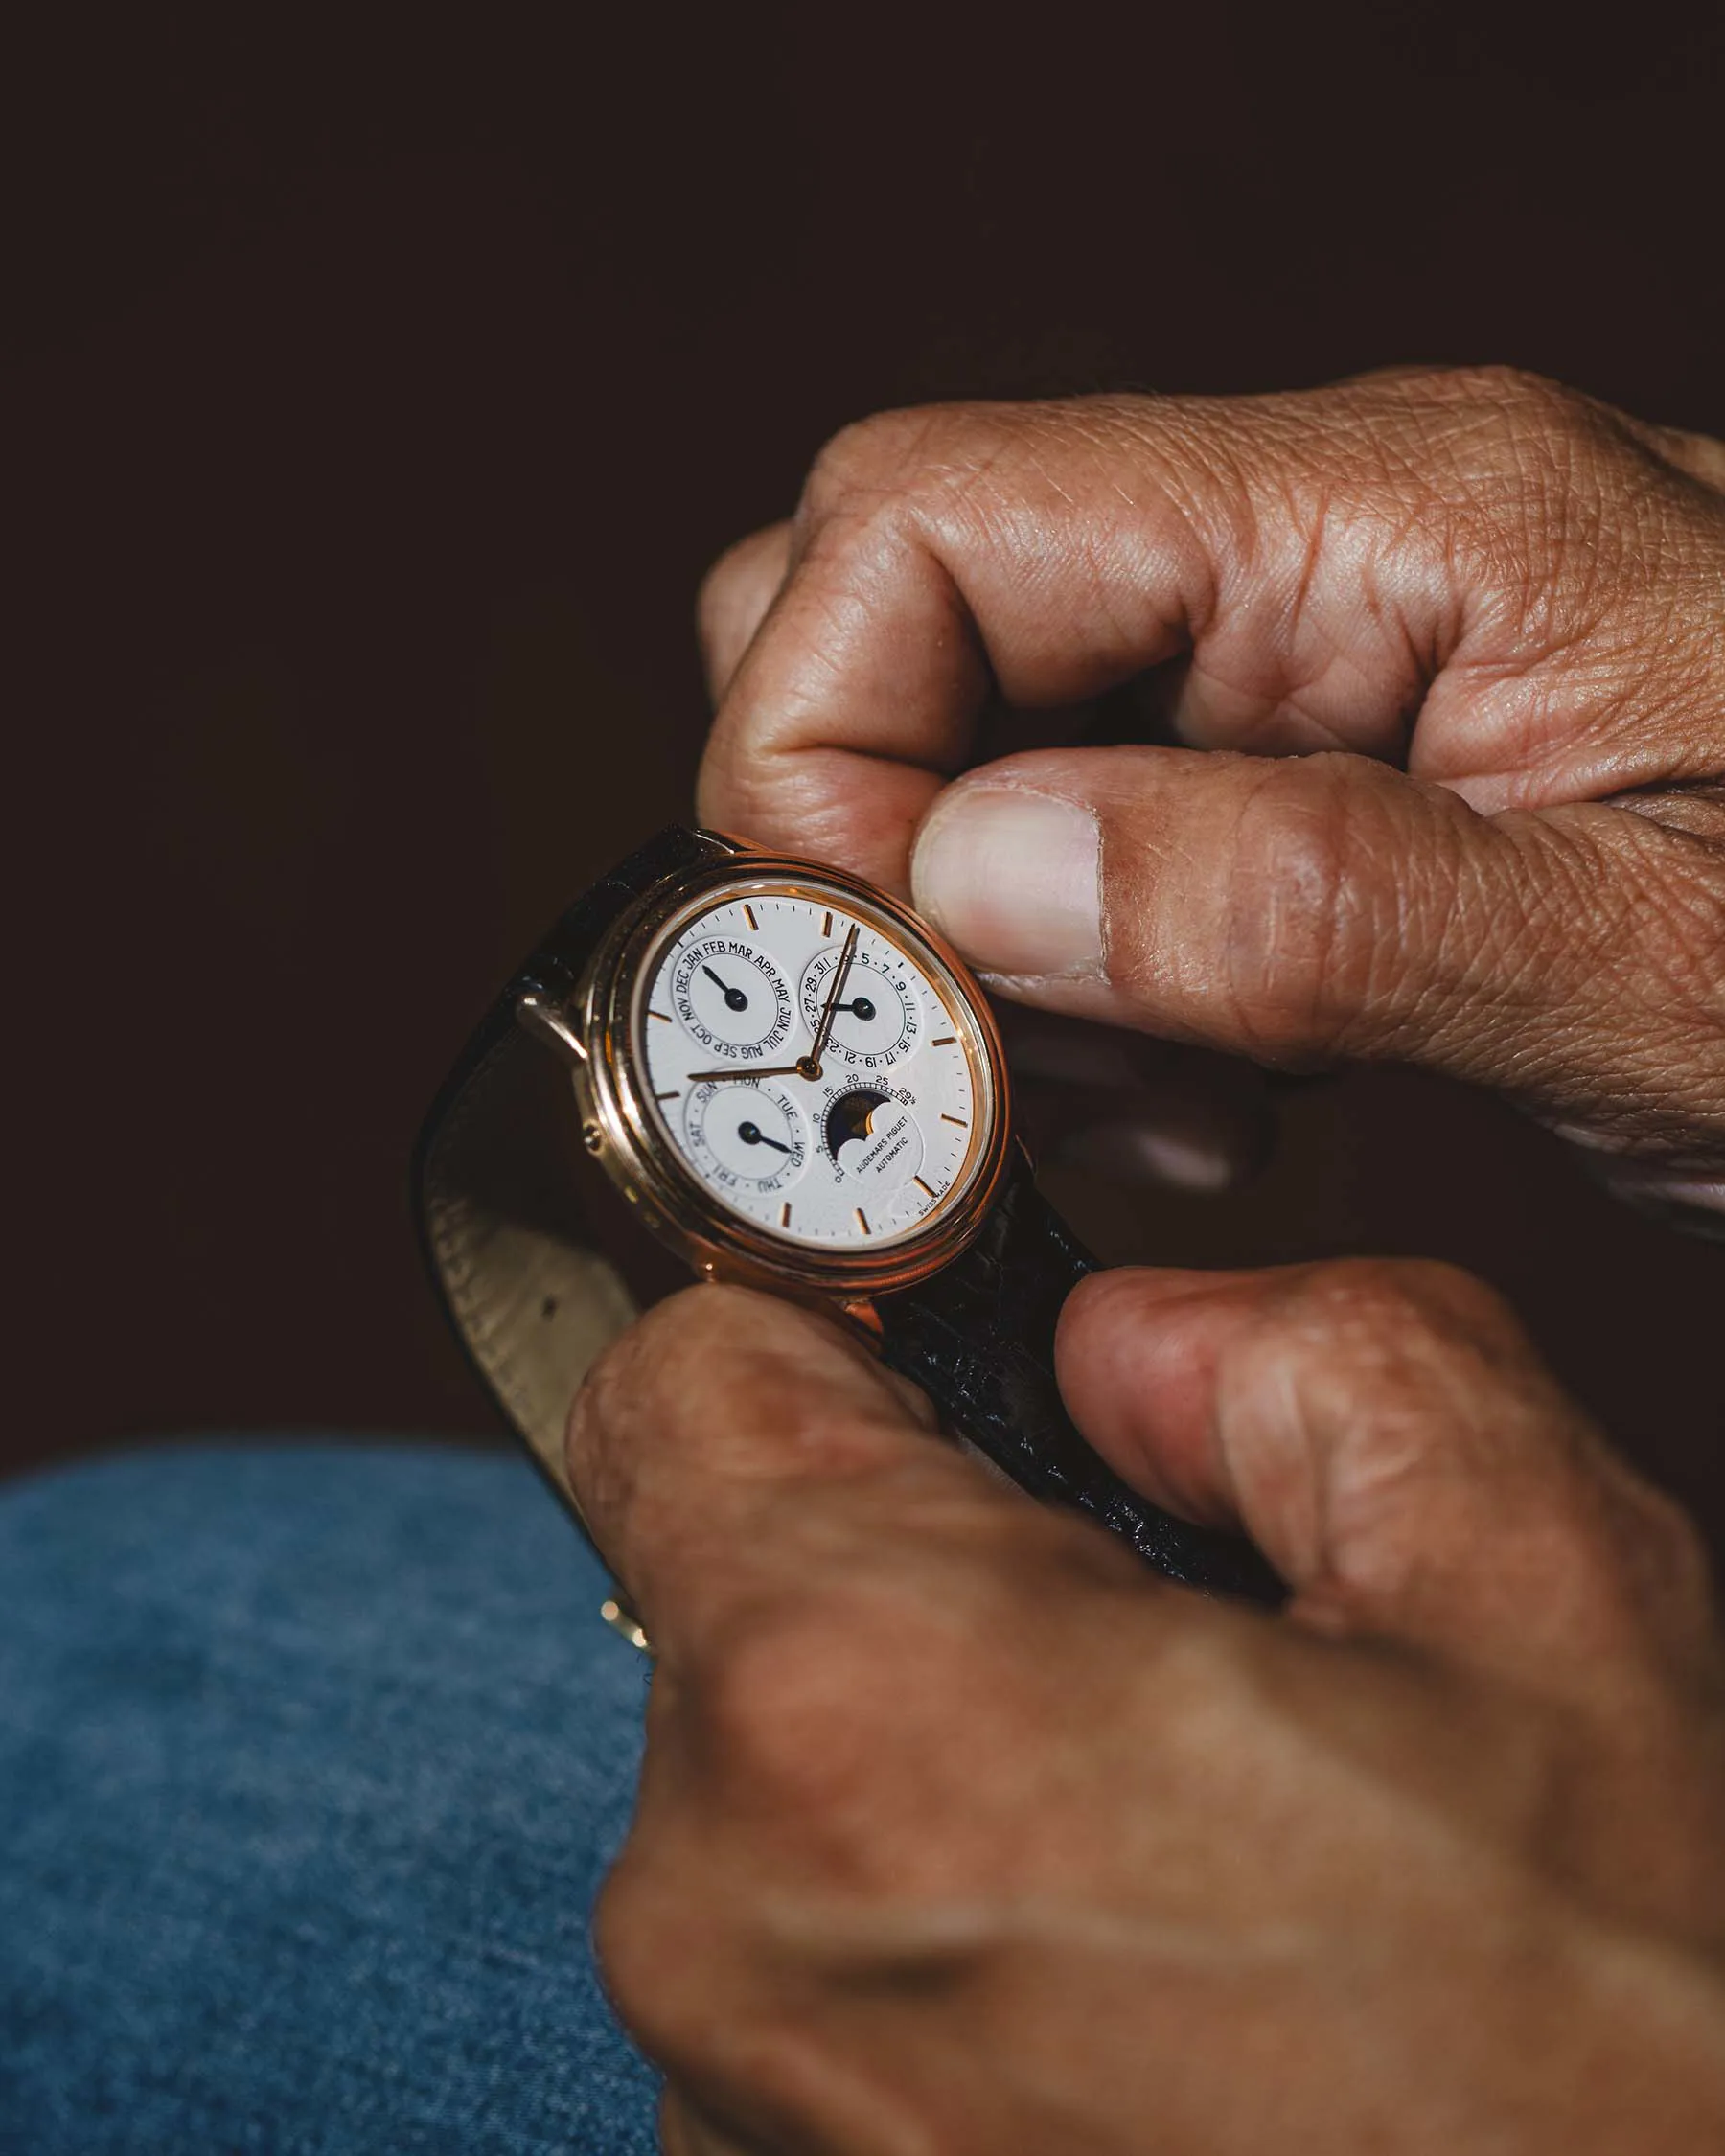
535, 1014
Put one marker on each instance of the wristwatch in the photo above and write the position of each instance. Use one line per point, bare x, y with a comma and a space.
794, 1084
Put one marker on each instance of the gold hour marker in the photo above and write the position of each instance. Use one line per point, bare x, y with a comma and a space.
861, 1220
784, 1216
946, 1041
663, 1016
826, 927
668, 1096
921, 1185
959, 1119
748, 916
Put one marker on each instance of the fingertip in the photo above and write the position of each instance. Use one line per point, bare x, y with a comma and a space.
617, 1390
1136, 1353
1012, 874
723, 1387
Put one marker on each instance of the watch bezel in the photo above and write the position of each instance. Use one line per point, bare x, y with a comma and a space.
622, 1135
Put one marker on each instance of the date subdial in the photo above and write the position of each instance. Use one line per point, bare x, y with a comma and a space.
731, 997
746, 1134
878, 1021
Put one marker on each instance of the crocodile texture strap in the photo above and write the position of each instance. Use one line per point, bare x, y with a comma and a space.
980, 1339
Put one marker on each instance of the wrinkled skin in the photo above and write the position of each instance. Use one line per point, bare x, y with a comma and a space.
959, 1832
961, 1835
1454, 643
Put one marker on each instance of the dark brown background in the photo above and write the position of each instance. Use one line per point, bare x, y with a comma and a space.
376, 395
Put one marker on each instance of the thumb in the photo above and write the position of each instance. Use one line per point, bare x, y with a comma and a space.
1388, 1437
1304, 910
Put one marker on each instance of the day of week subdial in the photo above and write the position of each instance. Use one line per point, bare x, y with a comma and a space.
747, 1135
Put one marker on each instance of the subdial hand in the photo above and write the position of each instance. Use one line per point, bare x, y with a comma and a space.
862, 1006
751, 1133
734, 997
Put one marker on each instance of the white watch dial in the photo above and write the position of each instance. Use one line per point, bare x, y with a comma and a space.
815, 1074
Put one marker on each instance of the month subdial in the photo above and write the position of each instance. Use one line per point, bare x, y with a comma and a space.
746, 1134
731, 997
879, 1019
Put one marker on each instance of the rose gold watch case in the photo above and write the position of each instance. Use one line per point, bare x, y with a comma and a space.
623, 1137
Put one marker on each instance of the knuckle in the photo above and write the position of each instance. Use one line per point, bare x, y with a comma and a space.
1452, 1380
1327, 903
607, 1395
1216, 1686
841, 1723
1370, 914
1516, 400
1625, 1576
1508, 450
1287, 886
1411, 1330
895, 467
791, 1705
641, 1358
1670, 1568
652, 1377
641, 1936
1202, 1673
1403, 1295
872, 458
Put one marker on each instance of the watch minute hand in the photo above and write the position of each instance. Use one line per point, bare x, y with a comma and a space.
809, 1066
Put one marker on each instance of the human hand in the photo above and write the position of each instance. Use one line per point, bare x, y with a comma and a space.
960, 1832
1460, 640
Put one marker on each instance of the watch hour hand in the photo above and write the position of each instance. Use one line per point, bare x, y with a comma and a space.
734, 997
745, 1071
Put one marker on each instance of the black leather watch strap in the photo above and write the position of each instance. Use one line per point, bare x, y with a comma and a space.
497, 1180
980, 1339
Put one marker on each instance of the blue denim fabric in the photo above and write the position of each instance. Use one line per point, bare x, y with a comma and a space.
311, 1759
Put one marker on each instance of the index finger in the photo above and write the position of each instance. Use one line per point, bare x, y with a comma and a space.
733, 1452
1324, 557
1054, 551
